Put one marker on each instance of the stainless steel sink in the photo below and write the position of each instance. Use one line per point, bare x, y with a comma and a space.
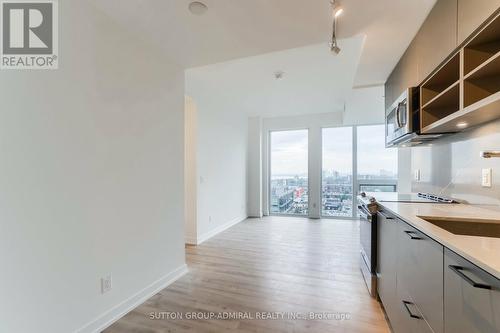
465, 226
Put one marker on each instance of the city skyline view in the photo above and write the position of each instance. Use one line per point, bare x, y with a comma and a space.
289, 169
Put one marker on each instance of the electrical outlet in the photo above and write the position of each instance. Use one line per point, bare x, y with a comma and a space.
416, 175
106, 284
486, 177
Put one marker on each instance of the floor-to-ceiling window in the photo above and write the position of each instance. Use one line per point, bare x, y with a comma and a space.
337, 172
289, 172
377, 166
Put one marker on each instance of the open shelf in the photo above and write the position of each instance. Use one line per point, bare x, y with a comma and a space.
441, 81
485, 110
483, 81
483, 46
441, 94
464, 92
441, 106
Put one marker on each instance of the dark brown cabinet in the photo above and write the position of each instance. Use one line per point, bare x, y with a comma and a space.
449, 23
437, 37
404, 75
472, 13
433, 43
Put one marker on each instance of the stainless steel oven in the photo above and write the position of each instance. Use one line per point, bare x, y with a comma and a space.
367, 213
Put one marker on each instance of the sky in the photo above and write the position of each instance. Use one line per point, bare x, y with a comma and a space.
289, 151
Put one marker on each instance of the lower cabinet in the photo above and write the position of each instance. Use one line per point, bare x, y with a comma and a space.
409, 318
471, 297
419, 282
402, 257
425, 287
387, 262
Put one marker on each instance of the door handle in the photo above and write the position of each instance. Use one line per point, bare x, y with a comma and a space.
406, 303
458, 270
411, 233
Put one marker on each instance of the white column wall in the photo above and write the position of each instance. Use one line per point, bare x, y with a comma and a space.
254, 172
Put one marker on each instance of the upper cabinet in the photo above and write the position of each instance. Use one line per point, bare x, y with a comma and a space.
404, 75
465, 93
472, 13
437, 37
449, 24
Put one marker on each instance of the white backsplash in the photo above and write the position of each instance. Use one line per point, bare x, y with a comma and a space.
452, 165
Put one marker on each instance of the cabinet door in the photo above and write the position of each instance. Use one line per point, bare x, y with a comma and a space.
386, 262
471, 14
404, 75
407, 70
389, 98
420, 274
437, 37
469, 308
409, 319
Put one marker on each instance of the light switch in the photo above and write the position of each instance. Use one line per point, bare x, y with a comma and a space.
416, 175
486, 178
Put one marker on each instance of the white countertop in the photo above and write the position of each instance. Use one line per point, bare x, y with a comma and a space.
481, 251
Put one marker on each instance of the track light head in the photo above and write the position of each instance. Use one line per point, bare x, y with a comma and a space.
334, 47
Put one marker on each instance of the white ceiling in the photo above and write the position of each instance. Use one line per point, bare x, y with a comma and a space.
240, 28
314, 82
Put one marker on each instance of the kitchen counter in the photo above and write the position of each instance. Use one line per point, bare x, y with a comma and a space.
484, 252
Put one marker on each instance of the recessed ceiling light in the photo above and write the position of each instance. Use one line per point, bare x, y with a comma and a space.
278, 75
198, 8
462, 124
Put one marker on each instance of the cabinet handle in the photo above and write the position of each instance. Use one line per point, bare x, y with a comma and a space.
458, 270
410, 233
406, 303
386, 216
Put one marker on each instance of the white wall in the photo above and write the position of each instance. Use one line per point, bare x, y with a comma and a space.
222, 144
254, 172
365, 106
190, 170
91, 176
405, 174
453, 166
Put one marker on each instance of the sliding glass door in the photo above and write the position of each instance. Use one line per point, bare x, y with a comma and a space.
337, 172
289, 172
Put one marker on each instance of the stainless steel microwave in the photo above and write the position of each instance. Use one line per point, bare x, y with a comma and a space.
402, 121
399, 119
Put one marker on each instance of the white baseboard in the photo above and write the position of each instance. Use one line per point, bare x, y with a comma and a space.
108, 318
207, 235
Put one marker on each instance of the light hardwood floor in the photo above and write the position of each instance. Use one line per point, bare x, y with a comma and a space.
276, 264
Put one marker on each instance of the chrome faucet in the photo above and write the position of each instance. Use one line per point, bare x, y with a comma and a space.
490, 154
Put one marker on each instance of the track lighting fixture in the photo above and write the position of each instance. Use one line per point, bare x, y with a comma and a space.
337, 10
